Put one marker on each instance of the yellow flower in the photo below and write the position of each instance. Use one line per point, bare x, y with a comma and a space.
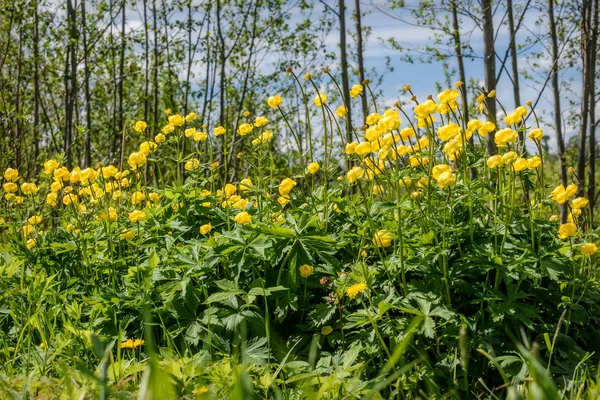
283, 200
341, 111
10, 187
51, 199
153, 196
50, 166
355, 174
588, 249
29, 188
31, 243
356, 289
146, 148
219, 130
160, 138
382, 238
136, 160
111, 216
137, 216
567, 230
137, 198
494, 161
246, 185
505, 136
486, 128
28, 229
363, 148
189, 132
140, 126
214, 165
275, 101
11, 174
245, 129
243, 218
286, 186
260, 121
167, 129
168, 111
437, 170
240, 204
372, 118
200, 136
492, 94
191, 117
320, 99
426, 108
448, 96
534, 162
313, 168
109, 171
192, 165
474, 125
176, 120
520, 164
579, 203
306, 270
205, 229
536, 134
356, 90
36, 219
513, 118
509, 157
326, 330
351, 147
446, 179
128, 235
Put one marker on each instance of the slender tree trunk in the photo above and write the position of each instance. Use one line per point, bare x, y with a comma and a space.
155, 88
585, 92
146, 67
88, 105
70, 81
36, 86
344, 60
359, 54
489, 59
222, 80
461, 72
557, 110
18, 139
121, 77
592, 137
514, 63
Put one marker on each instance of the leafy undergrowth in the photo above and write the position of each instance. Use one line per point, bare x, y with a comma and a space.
408, 264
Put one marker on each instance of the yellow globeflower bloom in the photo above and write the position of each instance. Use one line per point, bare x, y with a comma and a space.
29, 188
245, 129
505, 136
205, 229
579, 203
313, 168
589, 249
160, 138
191, 117
200, 136
260, 121
137, 216
36, 219
137, 198
136, 160
567, 230
536, 134
520, 164
192, 165
486, 128
320, 99
275, 101
446, 179
31, 243
382, 238
286, 186
351, 147
306, 270
140, 126
176, 120
11, 174
355, 174
243, 218
219, 130
363, 148
50, 166
341, 111
494, 161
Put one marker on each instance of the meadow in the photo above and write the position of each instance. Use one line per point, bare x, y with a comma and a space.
424, 255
